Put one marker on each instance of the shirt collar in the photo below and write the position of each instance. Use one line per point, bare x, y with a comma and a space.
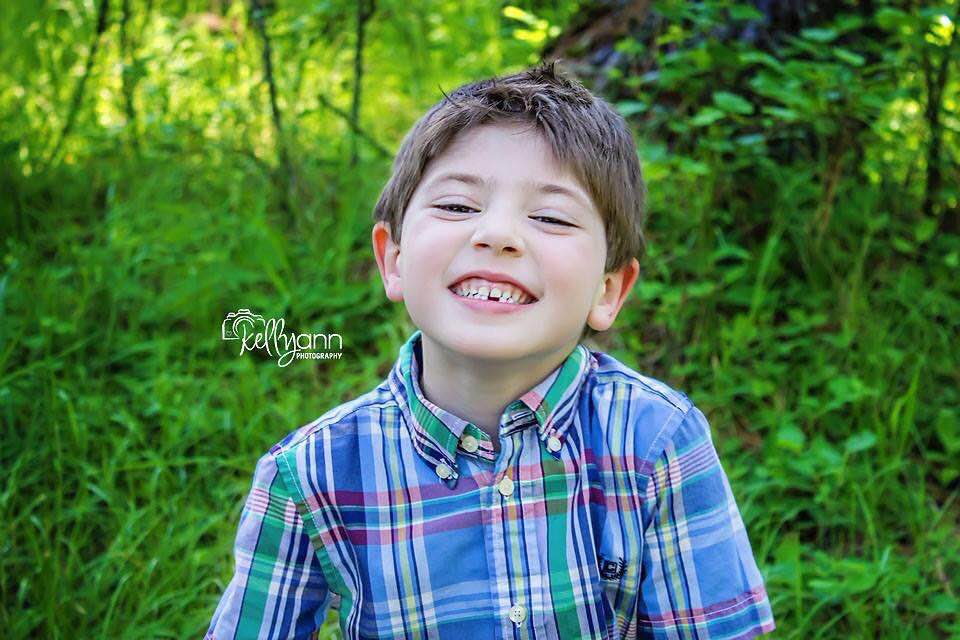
436, 433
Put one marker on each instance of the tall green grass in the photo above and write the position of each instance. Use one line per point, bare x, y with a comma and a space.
130, 427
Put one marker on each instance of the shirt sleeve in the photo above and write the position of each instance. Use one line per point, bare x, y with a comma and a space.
699, 578
277, 589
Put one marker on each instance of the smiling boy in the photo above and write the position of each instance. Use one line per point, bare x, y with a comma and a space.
462, 232
504, 481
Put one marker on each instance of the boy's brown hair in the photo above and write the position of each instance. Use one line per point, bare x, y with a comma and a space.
587, 137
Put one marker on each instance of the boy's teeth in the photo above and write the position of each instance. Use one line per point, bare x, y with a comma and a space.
481, 294
492, 292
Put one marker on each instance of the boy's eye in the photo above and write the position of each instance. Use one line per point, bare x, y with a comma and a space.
448, 207
552, 220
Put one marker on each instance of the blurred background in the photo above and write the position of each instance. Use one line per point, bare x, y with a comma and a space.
165, 162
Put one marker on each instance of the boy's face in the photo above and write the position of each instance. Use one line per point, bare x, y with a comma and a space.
552, 244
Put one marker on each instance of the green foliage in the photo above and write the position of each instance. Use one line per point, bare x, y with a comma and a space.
794, 285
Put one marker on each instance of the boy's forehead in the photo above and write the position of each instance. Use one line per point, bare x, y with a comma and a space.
517, 152
497, 136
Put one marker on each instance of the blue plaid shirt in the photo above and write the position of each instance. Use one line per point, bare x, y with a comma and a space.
606, 514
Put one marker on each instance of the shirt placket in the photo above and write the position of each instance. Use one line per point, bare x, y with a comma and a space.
510, 563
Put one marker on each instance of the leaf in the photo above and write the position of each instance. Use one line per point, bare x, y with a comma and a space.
627, 108
942, 603
878, 221
819, 35
845, 22
851, 58
787, 554
860, 442
846, 389
787, 115
648, 289
693, 167
791, 438
706, 116
730, 251
760, 57
516, 13
825, 454
901, 244
732, 103
527, 35
890, 19
750, 139
948, 474
760, 388
858, 575
700, 289
744, 12
925, 230
948, 429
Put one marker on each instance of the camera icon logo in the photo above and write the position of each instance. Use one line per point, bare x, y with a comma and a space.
240, 323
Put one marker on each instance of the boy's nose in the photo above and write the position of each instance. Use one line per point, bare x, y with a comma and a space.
498, 230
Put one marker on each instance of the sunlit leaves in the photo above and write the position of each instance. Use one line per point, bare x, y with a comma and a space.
538, 29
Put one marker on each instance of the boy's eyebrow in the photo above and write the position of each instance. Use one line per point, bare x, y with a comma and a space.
542, 187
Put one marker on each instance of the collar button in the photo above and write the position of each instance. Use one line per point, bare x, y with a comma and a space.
469, 444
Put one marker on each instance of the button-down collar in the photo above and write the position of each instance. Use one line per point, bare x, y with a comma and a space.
549, 405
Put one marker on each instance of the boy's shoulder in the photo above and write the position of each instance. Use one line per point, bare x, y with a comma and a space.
341, 414
609, 370
652, 414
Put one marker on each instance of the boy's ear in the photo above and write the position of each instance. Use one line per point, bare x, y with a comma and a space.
388, 257
611, 294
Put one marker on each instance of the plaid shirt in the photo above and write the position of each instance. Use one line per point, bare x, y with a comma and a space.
606, 514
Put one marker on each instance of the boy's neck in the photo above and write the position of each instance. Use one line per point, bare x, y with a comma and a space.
480, 390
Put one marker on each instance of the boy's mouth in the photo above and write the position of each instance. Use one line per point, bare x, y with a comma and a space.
479, 289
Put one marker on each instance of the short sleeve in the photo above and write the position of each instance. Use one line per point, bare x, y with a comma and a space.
699, 578
277, 589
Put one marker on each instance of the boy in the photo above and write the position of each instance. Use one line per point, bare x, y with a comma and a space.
504, 481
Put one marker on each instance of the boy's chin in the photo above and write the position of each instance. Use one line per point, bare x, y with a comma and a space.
493, 345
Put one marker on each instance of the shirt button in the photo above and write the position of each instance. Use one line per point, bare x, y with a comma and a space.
444, 471
518, 613
553, 444
469, 444
505, 486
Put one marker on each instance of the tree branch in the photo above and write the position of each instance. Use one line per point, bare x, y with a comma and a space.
257, 12
77, 98
383, 151
365, 9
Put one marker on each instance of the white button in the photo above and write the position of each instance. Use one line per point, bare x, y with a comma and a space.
518, 613
444, 471
469, 444
553, 443
505, 486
